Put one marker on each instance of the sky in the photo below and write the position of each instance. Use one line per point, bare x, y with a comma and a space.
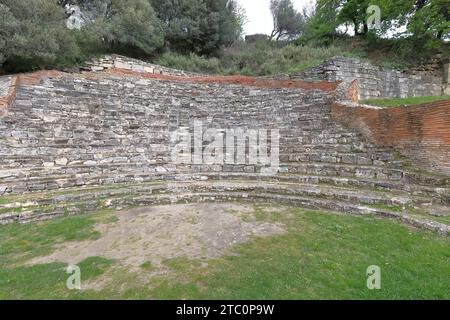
259, 17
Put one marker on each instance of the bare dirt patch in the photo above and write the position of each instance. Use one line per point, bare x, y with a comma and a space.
156, 234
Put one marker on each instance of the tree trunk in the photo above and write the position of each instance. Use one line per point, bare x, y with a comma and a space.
274, 34
356, 27
366, 28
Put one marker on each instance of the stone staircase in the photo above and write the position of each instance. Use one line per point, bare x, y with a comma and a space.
78, 144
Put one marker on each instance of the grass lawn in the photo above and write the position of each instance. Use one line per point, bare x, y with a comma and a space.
396, 102
321, 256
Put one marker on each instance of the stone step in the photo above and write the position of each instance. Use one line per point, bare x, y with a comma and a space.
309, 167
315, 203
80, 196
49, 179
329, 192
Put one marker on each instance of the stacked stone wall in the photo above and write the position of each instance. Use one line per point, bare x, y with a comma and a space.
377, 82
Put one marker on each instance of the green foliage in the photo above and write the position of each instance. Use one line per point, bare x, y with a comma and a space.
254, 59
33, 35
355, 11
266, 58
192, 62
134, 23
288, 23
8, 24
321, 25
427, 22
184, 23
199, 26
431, 22
119, 25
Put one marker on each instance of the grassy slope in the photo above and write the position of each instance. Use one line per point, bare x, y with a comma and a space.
322, 256
271, 58
258, 59
396, 102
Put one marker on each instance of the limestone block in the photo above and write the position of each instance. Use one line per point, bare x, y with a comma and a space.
138, 68
149, 69
49, 164
447, 73
97, 68
3, 189
446, 89
61, 161
122, 65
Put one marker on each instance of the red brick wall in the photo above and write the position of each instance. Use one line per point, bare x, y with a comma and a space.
421, 132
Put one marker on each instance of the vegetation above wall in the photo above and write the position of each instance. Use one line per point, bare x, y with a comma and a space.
34, 33
413, 101
206, 35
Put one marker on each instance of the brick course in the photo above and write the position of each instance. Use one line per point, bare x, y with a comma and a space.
420, 132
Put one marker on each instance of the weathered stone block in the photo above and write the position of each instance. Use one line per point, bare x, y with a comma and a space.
447, 73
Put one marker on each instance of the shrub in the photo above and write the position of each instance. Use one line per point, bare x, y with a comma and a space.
133, 23
190, 62
254, 59
34, 35
267, 58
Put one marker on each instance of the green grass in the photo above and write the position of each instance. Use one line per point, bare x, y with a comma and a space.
19, 242
46, 281
396, 102
148, 266
321, 256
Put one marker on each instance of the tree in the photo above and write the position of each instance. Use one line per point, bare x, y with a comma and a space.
8, 24
355, 11
322, 22
200, 26
232, 19
183, 22
288, 23
121, 24
431, 19
134, 23
33, 32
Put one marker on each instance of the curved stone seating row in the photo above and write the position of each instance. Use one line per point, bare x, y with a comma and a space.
73, 201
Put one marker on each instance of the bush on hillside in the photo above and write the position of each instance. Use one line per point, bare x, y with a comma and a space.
129, 24
254, 59
192, 62
33, 35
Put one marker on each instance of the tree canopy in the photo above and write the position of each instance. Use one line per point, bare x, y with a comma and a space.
288, 22
34, 32
416, 19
